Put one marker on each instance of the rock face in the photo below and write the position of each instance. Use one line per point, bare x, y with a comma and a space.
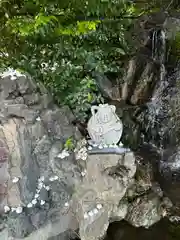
111, 191
33, 131
104, 185
46, 196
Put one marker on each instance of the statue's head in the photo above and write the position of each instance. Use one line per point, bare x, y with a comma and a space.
105, 113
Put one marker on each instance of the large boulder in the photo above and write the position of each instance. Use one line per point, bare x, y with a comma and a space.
115, 187
33, 132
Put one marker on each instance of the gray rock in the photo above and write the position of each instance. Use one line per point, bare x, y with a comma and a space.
34, 144
106, 181
172, 26
145, 211
31, 99
25, 85
38, 218
68, 235
19, 227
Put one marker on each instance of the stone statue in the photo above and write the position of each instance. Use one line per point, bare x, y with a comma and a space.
104, 127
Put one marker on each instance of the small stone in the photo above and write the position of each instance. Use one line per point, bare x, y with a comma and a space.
29, 205
66, 204
95, 210
38, 119
90, 213
6, 209
42, 202
99, 206
85, 216
19, 210
15, 180
34, 201
36, 195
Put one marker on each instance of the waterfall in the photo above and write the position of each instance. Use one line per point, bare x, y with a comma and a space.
155, 106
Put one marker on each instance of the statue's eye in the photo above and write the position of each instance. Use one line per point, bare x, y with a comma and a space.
106, 118
98, 120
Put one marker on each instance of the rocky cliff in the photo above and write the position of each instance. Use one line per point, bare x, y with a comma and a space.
49, 193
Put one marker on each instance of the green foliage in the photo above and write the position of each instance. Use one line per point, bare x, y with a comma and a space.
82, 98
62, 42
69, 144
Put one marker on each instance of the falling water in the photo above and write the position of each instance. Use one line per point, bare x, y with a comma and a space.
155, 106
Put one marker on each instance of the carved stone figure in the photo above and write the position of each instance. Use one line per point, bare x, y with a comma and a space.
104, 126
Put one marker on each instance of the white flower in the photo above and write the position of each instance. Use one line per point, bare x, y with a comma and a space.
89, 148
85, 216
47, 188
40, 185
38, 119
63, 154
100, 146
41, 179
29, 205
13, 209
38, 190
36, 195
66, 204
19, 210
42, 202
121, 144
84, 158
94, 145
90, 213
83, 174
6, 209
15, 180
95, 210
99, 206
52, 179
60, 155
34, 201
13, 78
53, 68
56, 177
